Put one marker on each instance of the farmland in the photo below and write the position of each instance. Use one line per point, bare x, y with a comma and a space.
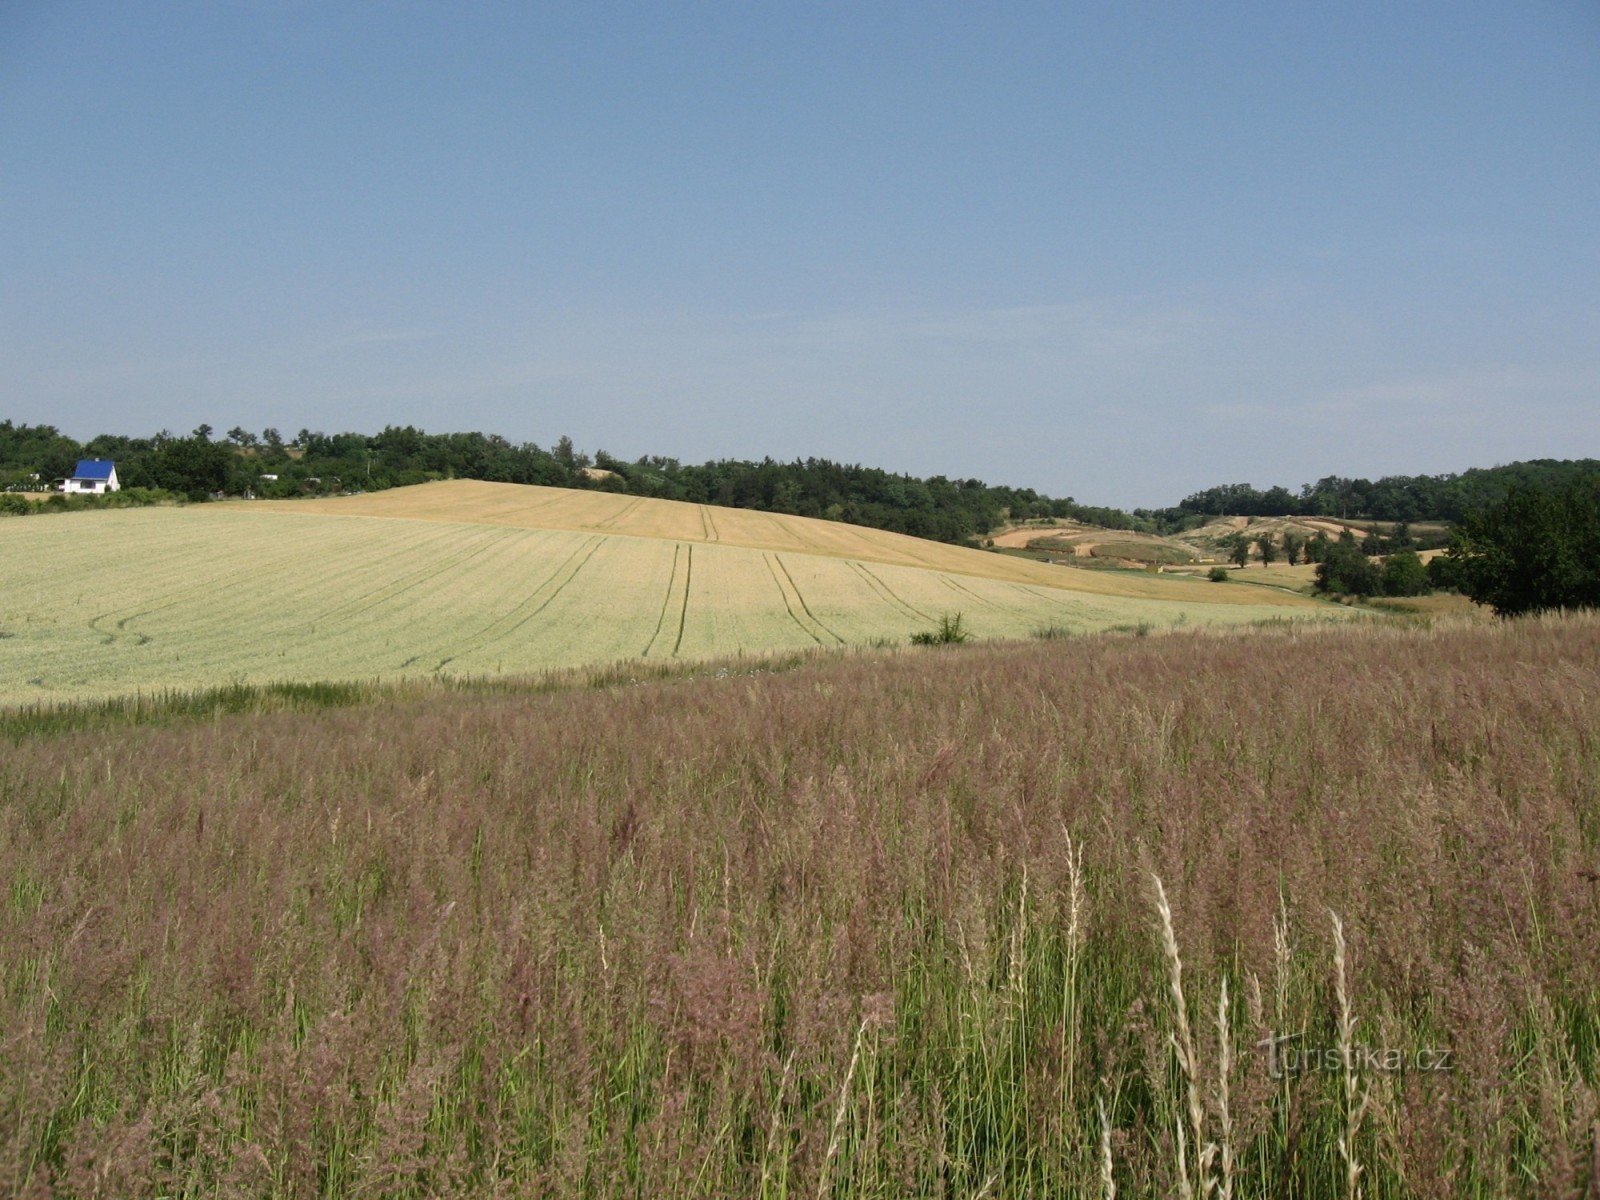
483, 579
882, 924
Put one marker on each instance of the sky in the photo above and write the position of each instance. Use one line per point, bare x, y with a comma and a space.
1115, 251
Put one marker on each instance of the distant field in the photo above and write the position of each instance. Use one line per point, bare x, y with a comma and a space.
109, 602
608, 513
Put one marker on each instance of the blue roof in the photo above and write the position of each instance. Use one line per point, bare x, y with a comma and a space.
94, 468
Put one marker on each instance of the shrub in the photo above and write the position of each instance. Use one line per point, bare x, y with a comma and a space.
1442, 572
1404, 575
1218, 575
1347, 570
952, 630
1053, 633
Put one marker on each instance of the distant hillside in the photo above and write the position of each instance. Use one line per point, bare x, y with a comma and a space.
467, 578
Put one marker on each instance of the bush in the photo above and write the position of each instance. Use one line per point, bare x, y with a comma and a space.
952, 631
14, 506
1348, 571
1442, 572
1404, 575
1218, 575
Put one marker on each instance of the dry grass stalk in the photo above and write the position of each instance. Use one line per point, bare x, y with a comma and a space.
1356, 1096
835, 1136
1188, 1062
776, 1125
1224, 1114
1108, 1183
1077, 906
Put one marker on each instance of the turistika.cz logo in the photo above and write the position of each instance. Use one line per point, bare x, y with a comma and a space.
1288, 1055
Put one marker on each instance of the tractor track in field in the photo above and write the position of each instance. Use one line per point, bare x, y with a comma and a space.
683, 613
1071, 601
120, 629
793, 616
512, 621
610, 523
666, 600
801, 596
354, 606
887, 592
709, 525
965, 591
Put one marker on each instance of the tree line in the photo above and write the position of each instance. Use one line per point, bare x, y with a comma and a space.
268, 464
1448, 497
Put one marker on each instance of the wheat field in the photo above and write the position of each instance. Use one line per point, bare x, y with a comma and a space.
106, 603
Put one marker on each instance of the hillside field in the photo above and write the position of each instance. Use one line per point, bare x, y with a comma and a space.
468, 579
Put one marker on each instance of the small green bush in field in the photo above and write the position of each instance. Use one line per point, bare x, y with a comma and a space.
952, 631
1218, 575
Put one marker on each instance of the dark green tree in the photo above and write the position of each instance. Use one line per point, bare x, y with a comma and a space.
1292, 545
1267, 548
1347, 570
1534, 551
193, 466
1404, 575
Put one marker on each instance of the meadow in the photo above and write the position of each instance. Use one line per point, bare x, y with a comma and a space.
470, 579
1014, 919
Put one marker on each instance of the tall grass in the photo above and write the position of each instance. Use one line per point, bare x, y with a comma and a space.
882, 925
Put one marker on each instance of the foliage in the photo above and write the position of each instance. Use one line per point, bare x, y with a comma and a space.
951, 630
13, 504
1404, 575
1533, 552
1393, 498
1218, 575
195, 466
1443, 573
1346, 569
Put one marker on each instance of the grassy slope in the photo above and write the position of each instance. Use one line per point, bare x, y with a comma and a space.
816, 933
524, 507
524, 579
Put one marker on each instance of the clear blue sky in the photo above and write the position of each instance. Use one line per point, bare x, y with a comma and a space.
1115, 251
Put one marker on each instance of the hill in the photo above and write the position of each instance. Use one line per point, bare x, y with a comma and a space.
468, 578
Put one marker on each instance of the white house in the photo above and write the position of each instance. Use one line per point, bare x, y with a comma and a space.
94, 477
